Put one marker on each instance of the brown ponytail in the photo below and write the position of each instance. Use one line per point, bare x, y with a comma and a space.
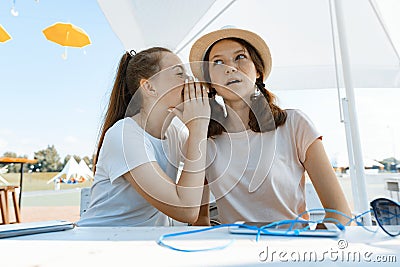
131, 69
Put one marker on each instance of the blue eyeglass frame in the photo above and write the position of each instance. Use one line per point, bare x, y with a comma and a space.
379, 201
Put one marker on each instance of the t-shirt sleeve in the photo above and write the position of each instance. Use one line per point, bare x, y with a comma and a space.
305, 133
125, 148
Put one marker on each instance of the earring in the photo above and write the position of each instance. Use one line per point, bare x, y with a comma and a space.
256, 90
256, 93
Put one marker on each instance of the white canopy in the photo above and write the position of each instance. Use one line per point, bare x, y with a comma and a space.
73, 170
299, 34
142, 24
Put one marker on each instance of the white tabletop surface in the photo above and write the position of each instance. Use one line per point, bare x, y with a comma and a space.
137, 246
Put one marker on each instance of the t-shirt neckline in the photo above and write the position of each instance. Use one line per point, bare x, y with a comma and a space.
147, 134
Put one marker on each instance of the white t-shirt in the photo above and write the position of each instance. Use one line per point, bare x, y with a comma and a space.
274, 159
114, 201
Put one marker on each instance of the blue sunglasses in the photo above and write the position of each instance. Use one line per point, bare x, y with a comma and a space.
387, 214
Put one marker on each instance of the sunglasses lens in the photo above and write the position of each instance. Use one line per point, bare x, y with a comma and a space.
387, 214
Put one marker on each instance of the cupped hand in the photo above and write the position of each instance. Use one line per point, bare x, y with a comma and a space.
196, 107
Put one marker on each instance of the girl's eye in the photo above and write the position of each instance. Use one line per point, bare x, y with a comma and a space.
218, 62
180, 74
240, 56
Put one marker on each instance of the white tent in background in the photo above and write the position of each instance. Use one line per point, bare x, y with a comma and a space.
72, 173
86, 172
2, 179
70, 170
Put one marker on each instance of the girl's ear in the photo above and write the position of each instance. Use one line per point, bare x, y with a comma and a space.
147, 87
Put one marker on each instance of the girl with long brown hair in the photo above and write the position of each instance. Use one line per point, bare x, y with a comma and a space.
258, 153
142, 144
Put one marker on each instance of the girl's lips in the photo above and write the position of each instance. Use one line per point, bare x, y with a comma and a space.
232, 82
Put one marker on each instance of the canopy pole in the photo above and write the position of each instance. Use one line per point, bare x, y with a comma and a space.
335, 58
355, 134
20, 184
352, 170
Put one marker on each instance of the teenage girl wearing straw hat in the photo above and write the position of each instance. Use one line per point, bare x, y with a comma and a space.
257, 152
139, 148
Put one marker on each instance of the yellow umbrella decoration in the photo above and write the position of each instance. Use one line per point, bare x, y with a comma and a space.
4, 36
67, 35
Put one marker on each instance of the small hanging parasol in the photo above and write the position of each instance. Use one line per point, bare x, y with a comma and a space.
67, 35
4, 36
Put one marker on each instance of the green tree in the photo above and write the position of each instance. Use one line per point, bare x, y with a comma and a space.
48, 160
86, 160
9, 154
11, 167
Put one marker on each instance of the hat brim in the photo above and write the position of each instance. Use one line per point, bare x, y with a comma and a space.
200, 47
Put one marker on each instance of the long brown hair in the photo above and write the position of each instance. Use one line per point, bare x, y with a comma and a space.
262, 106
131, 69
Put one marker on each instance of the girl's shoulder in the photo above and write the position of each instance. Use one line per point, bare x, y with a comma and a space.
299, 122
125, 126
295, 116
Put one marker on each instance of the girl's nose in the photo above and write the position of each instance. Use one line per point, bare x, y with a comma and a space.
230, 68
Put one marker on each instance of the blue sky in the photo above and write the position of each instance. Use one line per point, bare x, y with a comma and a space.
46, 100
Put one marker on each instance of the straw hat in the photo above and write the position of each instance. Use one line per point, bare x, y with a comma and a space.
200, 47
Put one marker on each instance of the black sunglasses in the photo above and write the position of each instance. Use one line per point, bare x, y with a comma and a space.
387, 214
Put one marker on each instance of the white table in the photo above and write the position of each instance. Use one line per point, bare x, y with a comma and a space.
130, 246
